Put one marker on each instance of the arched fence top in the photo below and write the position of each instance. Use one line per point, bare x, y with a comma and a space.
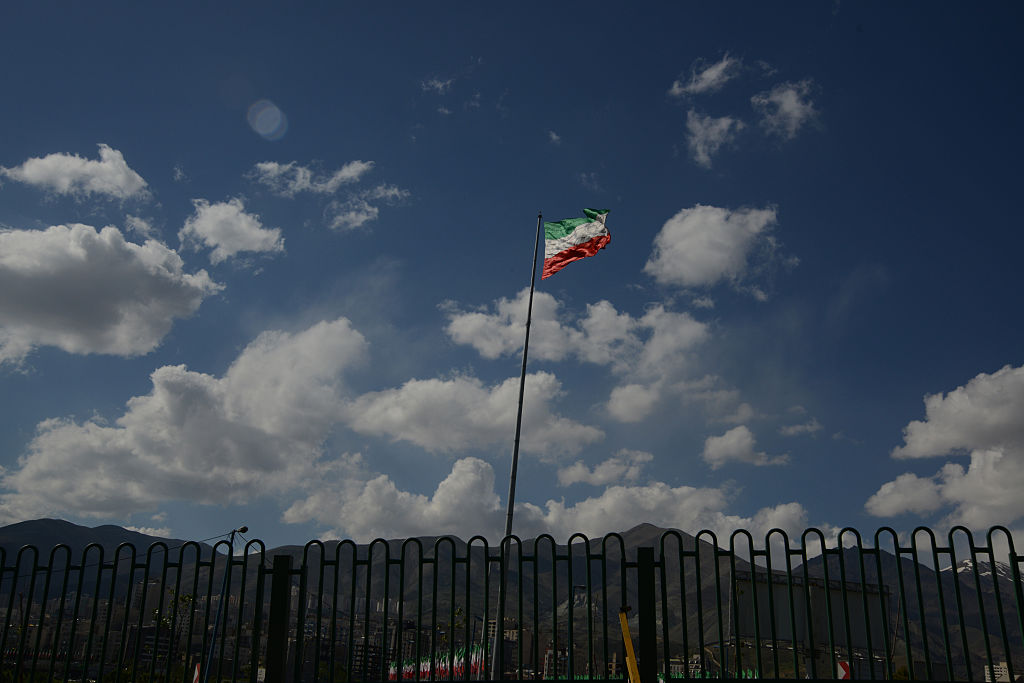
779, 603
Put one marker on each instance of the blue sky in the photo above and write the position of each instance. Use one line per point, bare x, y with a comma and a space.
266, 265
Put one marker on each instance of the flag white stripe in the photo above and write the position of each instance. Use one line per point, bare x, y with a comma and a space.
582, 233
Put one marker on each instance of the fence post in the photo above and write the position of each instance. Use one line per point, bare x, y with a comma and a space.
646, 610
280, 611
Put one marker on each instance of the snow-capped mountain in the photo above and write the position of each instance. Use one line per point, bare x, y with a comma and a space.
1003, 570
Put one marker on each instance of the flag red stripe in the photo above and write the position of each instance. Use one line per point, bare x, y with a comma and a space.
563, 258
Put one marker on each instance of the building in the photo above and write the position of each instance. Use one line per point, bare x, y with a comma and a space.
999, 672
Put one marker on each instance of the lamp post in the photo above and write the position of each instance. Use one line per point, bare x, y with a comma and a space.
220, 603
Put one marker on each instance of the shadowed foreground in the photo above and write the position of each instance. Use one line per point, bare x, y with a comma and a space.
428, 608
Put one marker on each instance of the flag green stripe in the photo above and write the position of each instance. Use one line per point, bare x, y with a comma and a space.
555, 231
559, 229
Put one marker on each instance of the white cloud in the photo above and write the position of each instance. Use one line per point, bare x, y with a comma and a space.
350, 214
71, 174
554, 137
706, 78
464, 504
288, 180
625, 465
812, 426
984, 414
666, 352
88, 291
980, 419
650, 345
602, 335
688, 508
737, 445
140, 226
633, 402
229, 230
195, 437
704, 245
707, 134
786, 108
361, 208
907, 493
458, 414
656, 351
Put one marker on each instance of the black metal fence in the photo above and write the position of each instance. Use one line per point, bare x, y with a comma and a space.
921, 607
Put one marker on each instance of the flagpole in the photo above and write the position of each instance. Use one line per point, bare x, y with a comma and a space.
499, 628
522, 388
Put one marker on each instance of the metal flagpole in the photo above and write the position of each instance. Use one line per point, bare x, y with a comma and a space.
522, 387
499, 628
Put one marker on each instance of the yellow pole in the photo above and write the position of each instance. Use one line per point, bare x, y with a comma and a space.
634, 672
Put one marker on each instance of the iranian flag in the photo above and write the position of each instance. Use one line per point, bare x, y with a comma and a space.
572, 239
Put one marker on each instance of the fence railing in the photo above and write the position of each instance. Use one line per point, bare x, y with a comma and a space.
924, 607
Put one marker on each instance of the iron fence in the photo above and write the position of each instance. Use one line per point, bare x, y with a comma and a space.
920, 607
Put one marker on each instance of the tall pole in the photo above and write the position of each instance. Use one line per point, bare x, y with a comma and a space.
499, 627
522, 388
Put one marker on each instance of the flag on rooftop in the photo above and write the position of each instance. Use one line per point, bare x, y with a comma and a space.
572, 239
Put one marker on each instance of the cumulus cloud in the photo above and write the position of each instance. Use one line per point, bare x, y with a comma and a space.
465, 504
625, 465
140, 226
70, 174
684, 507
706, 78
361, 207
633, 402
656, 351
981, 420
651, 344
458, 414
88, 291
737, 445
906, 493
288, 180
194, 437
984, 414
705, 245
786, 108
228, 230
708, 134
